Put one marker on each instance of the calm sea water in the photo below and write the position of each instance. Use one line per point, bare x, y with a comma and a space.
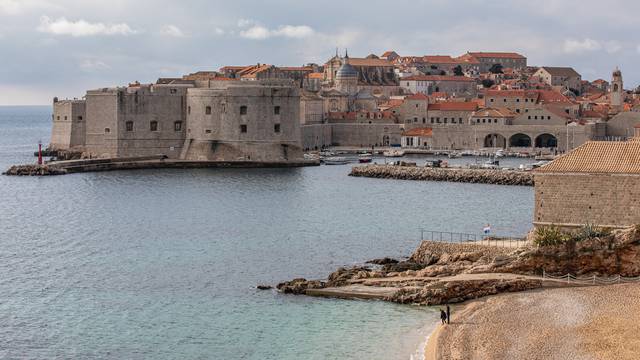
162, 264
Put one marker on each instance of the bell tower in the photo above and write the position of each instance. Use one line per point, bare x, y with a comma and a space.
616, 92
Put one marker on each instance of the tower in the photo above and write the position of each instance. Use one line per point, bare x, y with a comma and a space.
347, 77
616, 98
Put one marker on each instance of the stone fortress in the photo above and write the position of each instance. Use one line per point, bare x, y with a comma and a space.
267, 113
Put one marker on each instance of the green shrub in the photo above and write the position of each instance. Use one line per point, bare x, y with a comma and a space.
550, 236
591, 231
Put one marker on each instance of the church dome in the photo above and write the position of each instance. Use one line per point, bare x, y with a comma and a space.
346, 71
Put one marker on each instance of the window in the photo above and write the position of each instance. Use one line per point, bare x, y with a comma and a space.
445, 120
416, 106
505, 99
58, 117
207, 131
207, 110
529, 117
415, 119
129, 125
243, 128
79, 118
432, 120
491, 100
173, 91
177, 126
518, 111
526, 100
484, 121
107, 130
65, 118
153, 126
243, 110
548, 117
459, 120
188, 109
518, 100
535, 117
424, 120
276, 127
276, 110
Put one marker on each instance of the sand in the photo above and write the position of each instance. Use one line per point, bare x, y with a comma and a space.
600, 322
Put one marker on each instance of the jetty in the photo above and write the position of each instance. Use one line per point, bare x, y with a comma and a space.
478, 176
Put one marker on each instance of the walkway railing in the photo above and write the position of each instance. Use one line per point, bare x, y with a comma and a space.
591, 280
476, 239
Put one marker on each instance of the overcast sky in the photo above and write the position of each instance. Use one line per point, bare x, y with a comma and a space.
63, 47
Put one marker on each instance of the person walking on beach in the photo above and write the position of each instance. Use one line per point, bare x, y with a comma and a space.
443, 316
448, 314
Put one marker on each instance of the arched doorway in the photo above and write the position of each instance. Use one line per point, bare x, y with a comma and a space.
520, 140
546, 141
495, 141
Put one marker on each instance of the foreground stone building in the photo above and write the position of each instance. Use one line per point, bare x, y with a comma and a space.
597, 183
208, 120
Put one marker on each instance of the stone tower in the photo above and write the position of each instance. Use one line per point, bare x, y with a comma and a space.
616, 90
347, 77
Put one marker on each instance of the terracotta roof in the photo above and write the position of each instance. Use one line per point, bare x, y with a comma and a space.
454, 106
603, 157
501, 55
560, 71
494, 112
600, 81
424, 132
418, 96
316, 76
438, 78
512, 93
548, 96
369, 62
441, 59
592, 114
387, 53
296, 68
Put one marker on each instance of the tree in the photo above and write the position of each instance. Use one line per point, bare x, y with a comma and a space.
487, 83
457, 71
496, 69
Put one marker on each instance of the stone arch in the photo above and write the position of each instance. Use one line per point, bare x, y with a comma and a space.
520, 140
495, 141
546, 141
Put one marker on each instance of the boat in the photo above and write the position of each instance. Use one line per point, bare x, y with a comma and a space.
454, 155
393, 153
336, 160
365, 158
327, 153
499, 153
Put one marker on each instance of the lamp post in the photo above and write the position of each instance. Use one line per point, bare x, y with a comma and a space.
40, 152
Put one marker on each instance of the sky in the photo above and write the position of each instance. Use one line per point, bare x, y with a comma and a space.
64, 47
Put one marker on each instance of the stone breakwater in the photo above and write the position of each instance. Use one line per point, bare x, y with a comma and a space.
34, 170
438, 273
478, 176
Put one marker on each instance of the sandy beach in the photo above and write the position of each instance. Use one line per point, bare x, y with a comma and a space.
564, 323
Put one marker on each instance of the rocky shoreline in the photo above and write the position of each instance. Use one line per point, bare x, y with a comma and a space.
439, 273
477, 176
34, 170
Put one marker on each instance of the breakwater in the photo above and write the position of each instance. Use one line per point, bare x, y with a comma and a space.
479, 176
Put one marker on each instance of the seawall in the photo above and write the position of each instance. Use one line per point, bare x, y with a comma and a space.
479, 176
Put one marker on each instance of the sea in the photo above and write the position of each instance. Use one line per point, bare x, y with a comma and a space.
163, 264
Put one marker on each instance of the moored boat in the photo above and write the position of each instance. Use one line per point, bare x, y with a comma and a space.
365, 158
393, 153
336, 160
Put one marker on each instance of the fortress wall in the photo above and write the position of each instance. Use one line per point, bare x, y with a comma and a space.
68, 129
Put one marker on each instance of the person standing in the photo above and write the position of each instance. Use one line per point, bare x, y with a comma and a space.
443, 317
448, 314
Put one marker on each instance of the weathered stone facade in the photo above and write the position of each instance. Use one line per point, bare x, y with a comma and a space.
68, 129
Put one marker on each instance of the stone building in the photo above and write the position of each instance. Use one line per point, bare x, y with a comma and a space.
371, 71
597, 183
203, 120
417, 138
559, 77
456, 86
488, 59
69, 121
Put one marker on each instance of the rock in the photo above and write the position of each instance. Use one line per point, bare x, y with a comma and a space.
264, 287
299, 286
402, 266
34, 170
383, 261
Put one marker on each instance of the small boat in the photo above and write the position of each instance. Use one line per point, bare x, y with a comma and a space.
327, 153
365, 158
393, 153
336, 160
454, 155
499, 153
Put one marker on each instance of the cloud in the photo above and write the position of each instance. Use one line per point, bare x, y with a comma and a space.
90, 65
219, 31
572, 46
62, 26
259, 32
172, 30
613, 46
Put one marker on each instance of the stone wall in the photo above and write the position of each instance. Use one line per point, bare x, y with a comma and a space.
572, 200
365, 135
68, 129
314, 137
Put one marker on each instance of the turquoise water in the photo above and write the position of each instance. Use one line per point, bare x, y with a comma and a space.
162, 264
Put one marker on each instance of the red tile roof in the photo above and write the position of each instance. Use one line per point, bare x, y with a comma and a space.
418, 96
600, 157
423, 132
437, 78
500, 55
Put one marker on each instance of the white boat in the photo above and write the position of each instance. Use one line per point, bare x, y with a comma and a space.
499, 153
365, 158
336, 160
454, 155
393, 153
327, 153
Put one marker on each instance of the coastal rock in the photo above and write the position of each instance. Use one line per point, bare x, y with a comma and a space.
482, 176
264, 287
299, 286
34, 170
383, 261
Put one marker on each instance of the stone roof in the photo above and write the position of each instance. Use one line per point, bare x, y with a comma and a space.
598, 157
561, 71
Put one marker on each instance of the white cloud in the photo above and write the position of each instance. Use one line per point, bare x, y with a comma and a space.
245, 22
613, 46
62, 26
259, 32
572, 46
172, 30
90, 65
